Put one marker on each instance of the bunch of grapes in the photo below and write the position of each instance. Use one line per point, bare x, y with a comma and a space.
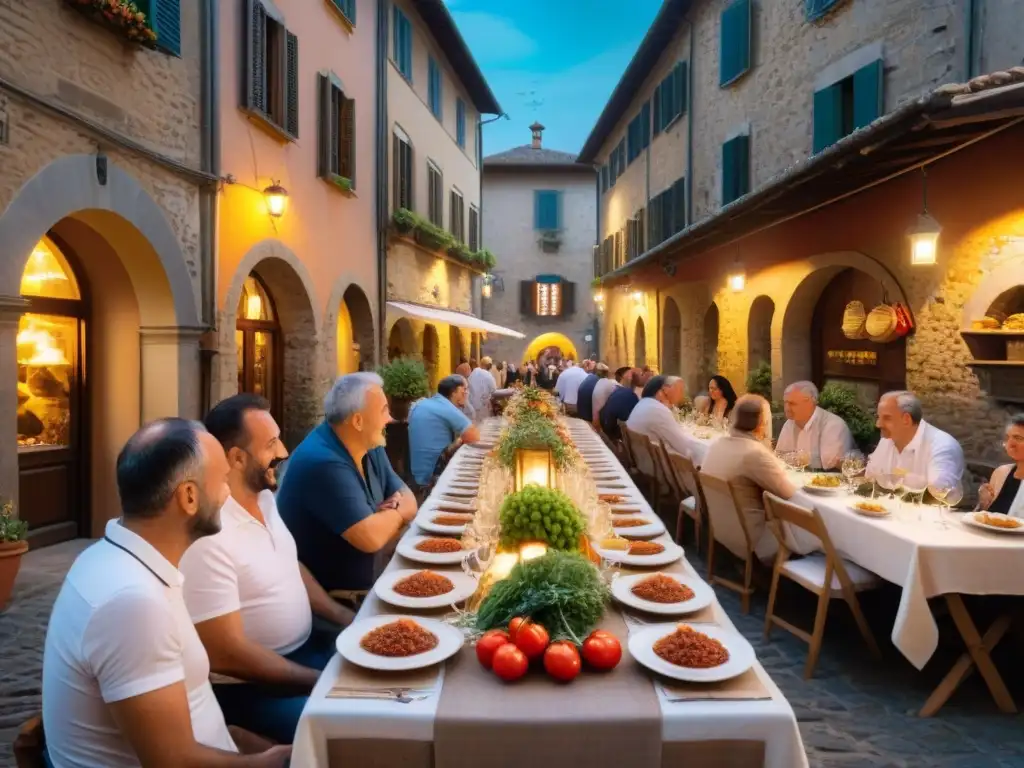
541, 514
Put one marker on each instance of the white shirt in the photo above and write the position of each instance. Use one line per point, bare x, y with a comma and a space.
932, 454
481, 385
120, 629
825, 437
254, 569
653, 418
568, 384
602, 391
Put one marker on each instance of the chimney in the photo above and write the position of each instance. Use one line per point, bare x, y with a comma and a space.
537, 129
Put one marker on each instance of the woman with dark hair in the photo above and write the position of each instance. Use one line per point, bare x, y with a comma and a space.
723, 397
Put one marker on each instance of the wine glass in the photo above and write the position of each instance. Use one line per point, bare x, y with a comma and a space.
889, 482
853, 465
801, 460
915, 485
948, 494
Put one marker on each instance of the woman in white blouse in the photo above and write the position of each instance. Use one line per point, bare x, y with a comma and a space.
1002, 493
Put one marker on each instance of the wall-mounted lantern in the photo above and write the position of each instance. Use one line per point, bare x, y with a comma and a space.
277, 199
924, 235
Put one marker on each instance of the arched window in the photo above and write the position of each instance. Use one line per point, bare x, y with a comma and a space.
258, 339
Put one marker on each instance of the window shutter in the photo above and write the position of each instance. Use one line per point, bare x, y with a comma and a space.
526, 292
868, 96
255, 81
656, 101
645, 125
828, 117
734, 54
537, 212
348, 139
396, 172
396, 36
474, 229
164, 18
742, 152
622, 154
641, 223
681, 74
292, 86
815, 9
667, 211
323, 90
568, 298
350, 10
729, 192
679, 205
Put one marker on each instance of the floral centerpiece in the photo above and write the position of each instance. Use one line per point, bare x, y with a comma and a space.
534, 423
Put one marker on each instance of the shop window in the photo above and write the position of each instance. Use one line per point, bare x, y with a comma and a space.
257, 337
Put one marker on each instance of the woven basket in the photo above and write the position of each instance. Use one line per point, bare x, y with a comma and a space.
880, 324
853, 321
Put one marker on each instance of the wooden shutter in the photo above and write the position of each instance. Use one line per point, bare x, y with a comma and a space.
667, 99
348, 139
396, 37
254, 95
735, 168
654, 227
667, 211
656, 101
474, 229
868, 95
622, 154
396, 181
828, 117
350, 10
679, 205
734, 50
630, 239
681, 82
816, 9
641, 231
324, 90
164, 18
526, 291
568, 298
292, 85
645, 125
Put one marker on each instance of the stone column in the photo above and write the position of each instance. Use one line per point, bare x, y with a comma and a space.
11, 310
169, 373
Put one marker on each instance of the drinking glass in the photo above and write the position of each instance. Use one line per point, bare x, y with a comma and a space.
889, 482
853, 465
948, 494
915, 486
801, 460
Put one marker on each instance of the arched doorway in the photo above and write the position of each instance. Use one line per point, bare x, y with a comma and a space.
709, 366
355, 335
430, 345
545, 343
759, 332
640, 344
401, 340
617, 354
456, 352
672, 339
258, 343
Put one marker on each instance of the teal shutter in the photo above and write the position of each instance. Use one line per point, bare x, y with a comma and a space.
656, 101
546, 209
164, 18
868, 101
681, 84
816, 9
734, 56
645, 125
828, 117
667, 98
742, 164
350, 10
735, 169
728, 173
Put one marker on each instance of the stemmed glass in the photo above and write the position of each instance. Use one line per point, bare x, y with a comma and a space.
915, 486
891, 482
948, 494
801, 460
853, 465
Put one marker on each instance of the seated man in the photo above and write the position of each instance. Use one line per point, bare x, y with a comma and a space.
341, 499
567, 386
125, 676
653, 415
603, 390
585, 395
742, 459
912, 446
435, 424
251, 599
481, 386
823, 435
621, 403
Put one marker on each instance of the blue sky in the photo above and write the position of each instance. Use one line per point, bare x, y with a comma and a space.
556, 61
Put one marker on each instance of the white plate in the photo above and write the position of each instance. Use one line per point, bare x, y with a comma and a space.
616, 488
459, 492
653, 528
672, 553
464, 587
407, 549
449, 641
819, 491
625, 508
862, 513
703, 595
424, 521
741, 653
971, 519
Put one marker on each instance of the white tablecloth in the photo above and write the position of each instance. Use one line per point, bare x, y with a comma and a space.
924, 558
770, 720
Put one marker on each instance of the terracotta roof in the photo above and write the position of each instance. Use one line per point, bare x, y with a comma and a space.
529, 156
913, 135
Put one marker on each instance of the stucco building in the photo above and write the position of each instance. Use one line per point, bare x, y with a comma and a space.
106, 272
540, 206
776, 183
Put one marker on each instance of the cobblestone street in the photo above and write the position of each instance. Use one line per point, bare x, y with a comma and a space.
855, 713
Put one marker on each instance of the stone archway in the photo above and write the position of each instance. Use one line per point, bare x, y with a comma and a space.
671, 339
545, 340
401, 339
354, 332
759, 332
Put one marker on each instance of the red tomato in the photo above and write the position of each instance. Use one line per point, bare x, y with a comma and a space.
488, 644
513, 627
602, 650
509, 663
562, 661
531, 639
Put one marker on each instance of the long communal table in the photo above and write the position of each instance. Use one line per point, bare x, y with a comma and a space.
463, 716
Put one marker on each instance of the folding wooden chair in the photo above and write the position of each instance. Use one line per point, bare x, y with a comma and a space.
643, 452
692, 505
30, 744
727, 525
843, 578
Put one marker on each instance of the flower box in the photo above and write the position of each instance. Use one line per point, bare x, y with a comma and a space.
121, 17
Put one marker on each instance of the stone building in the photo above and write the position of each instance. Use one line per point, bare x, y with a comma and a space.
540, 206
820, 132
435, 97
105, 249
297, 272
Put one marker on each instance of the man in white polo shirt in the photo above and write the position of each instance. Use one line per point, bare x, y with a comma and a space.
250, 598
125, 677
567, 387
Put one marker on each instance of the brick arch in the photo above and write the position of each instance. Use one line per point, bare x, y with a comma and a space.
996, 285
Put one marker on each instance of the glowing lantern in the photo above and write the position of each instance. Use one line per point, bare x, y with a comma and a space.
534, 466
924, 240
277, 199
532, 550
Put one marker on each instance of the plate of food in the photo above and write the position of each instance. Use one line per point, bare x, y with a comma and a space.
870, 509
611, 498
995, 522
459, 492
694, 653
396, 643
424, 589
638, 526
433, 550
662, 593
640, 553
608, 488
702, 434
824, 484
439, 521
626, 508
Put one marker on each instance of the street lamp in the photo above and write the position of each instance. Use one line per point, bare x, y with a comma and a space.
924, 235
277, 199
485, 289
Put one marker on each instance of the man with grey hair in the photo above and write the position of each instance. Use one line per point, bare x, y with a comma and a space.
822, 435
481, 385
340, 498
653, 416
911, 446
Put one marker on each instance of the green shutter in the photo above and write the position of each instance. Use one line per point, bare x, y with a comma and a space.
291, 120
734, 54
742, 165
828, 117
645, 125
164, 18
656, 100
681, 83
735, 169
868, 102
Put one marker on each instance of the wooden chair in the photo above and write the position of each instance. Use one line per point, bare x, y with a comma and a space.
814, 572
727, 525
692, 505
29, 744
627, 447
643, 452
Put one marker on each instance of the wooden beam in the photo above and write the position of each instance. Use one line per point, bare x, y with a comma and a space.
978, 117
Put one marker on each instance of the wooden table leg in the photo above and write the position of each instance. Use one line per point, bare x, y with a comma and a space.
977, 655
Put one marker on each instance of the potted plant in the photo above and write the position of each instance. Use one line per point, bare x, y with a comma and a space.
460, 252
12, 546
550, 240
842, 401
405, 380
404, 221
432, 237
487, 259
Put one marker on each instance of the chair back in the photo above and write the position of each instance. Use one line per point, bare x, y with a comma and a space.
643, 452
728, 524
781, 513
677, 491
627, 446
610, 445
687, 478
29, 745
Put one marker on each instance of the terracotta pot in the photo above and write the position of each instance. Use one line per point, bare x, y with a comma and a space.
10, 561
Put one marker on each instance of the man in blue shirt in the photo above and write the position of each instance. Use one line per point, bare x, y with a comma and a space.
585, 396
621, 403
436, 423
340, 498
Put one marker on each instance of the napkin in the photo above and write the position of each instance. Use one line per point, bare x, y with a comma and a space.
353, 679
746, 687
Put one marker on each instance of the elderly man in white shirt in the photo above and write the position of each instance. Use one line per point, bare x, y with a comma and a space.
126, 680
251, 599
481, 386
568, 385
653, 415
912, 446
822, 435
